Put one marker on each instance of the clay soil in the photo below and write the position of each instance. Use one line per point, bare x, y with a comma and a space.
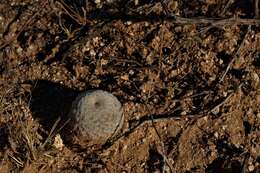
186, 72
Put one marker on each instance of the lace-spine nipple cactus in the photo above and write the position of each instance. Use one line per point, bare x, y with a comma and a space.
96, 115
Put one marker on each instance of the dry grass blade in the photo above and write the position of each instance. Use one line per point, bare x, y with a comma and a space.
30, 143
24, 141
17, 160
3, 107
24, 135
74, 15
54, 131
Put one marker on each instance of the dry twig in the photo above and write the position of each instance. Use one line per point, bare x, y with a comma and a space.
257, 9
74, 15
214, 21
51, 134
163, 152
22, 28
229, 3
225, 100
17, 160
236, 54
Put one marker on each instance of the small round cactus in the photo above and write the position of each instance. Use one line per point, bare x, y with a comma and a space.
96, 115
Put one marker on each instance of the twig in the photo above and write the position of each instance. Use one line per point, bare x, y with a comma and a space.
55, 130
214, 21
226, 7
257, 9
165, 8
74, 15
51, 133
245, 163
236, 54
2, 106
126, 61
8, 42
34, 86
225, 100
163, 153
192, 96
195, 20
222, 103
154, 118
17, 160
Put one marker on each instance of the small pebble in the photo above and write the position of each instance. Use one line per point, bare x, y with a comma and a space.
251, 168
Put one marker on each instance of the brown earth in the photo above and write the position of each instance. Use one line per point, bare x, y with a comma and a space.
189, 87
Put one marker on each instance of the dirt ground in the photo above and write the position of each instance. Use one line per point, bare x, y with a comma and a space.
186, 72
